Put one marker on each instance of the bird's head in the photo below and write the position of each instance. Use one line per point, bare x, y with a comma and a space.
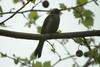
55, 11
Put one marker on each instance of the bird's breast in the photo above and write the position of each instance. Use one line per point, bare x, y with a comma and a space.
53, 24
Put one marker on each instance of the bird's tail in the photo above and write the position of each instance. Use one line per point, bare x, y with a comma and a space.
38, 50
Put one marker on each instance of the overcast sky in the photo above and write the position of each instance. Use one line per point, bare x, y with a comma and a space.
24, 48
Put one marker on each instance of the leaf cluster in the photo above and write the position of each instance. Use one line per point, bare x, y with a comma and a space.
85, 16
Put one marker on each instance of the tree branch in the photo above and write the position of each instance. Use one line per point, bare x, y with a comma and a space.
21, 12
14, 13
29, 36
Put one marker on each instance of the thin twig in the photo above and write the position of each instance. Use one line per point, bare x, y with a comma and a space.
69, 54
54, 50
37, 4
87, 63
62, 60
20, 12
14, 58
80, 5
14, 13
95, 1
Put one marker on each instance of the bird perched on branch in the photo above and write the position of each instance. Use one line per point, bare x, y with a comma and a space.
50, 25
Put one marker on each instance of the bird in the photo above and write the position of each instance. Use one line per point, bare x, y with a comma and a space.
50, 25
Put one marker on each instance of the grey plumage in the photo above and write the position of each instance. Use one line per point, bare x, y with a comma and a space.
50, 25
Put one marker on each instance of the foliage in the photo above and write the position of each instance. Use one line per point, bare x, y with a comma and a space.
39, 29
79, 2
62, 6
33, 16
84, 16
16, 1
33, 1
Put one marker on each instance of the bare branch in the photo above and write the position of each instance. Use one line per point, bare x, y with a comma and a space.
69, 54
21, 12
62, 60
87, 63
14, 13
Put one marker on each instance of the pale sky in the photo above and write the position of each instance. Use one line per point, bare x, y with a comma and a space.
24, 48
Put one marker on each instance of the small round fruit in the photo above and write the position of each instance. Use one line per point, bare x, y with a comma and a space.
45, 3
79, 53
86, 54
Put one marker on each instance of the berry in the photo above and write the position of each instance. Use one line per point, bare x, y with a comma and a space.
45, 3
79, 53
86, 54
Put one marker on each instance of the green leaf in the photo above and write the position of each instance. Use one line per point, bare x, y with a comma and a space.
33, 1
15, 1
76, 14
33, 16
33, 64
94, 52
39, 29
88, 22
38, 64
85, 16
47, 64
62, 6
81, 2
73, 65
79, 40
88, 13
32, 57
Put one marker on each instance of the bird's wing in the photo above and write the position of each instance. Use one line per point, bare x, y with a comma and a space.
45, 24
